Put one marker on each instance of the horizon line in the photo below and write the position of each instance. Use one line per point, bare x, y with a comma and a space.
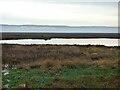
58, 25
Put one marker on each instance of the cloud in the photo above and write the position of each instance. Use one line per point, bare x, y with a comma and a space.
64, 13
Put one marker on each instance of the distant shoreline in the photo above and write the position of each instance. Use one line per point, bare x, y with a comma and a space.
57, 26
47, 36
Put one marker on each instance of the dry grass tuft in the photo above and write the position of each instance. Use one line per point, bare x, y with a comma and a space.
107, 63
50, 66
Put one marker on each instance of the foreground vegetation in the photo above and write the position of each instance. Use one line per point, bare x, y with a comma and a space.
52, 66
80, 77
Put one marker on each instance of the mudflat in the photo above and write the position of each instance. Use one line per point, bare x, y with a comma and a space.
57, 35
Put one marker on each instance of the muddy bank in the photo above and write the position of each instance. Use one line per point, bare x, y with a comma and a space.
47, 36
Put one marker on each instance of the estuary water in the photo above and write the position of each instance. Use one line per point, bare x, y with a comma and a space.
57, 29
89, 41
60, 29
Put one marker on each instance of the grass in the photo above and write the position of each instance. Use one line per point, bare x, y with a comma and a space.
18, 54
34, 78
61, 66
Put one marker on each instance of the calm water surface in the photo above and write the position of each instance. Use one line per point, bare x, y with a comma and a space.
58, 29
101, 41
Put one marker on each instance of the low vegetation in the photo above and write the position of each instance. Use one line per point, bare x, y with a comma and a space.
61, 66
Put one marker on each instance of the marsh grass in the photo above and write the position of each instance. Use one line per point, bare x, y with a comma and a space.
79, 77
18, 54
61, 66
107, 63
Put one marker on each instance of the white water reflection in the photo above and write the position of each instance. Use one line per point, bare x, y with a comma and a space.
102, 41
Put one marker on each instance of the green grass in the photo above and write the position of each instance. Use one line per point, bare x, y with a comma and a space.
81, 76
88, 70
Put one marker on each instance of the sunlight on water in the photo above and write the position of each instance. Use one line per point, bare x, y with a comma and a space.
106, 42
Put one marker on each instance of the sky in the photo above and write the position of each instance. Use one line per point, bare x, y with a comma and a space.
54, 12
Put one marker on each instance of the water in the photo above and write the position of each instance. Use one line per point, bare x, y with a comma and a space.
101, 41
58, 29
